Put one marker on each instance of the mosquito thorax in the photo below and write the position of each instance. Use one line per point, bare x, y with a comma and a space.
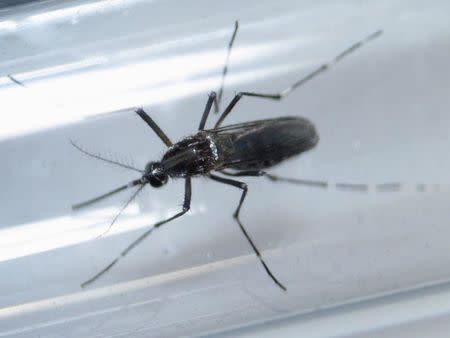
155, 174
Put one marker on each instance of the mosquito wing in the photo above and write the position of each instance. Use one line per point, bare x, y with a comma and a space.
261, 144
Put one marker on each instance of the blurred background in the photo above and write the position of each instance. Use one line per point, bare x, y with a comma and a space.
371, 264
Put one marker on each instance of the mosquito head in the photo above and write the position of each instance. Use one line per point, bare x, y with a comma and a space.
155, 174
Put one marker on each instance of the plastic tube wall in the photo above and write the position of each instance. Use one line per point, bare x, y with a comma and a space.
75, 70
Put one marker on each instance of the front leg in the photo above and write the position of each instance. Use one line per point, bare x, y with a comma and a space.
152, 124
186, 207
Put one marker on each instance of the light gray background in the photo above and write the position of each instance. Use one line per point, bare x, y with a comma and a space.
382, 115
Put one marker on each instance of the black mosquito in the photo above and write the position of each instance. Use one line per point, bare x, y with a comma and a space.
244, 149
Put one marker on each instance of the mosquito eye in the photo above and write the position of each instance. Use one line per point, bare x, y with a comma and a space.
157, 181
154, 182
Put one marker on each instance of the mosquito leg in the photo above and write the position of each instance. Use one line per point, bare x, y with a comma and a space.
13, 79
152, 124
309, 183
252, 173
186, 207
212, 98
357, 187
282, 94
353, 187
243, 187
387, 187
225, 68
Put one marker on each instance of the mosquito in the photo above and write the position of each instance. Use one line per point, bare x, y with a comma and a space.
226, 152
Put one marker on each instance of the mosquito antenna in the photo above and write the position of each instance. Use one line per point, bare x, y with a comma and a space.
225, 68
106, 195
122, 209
331, 63
98, 157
